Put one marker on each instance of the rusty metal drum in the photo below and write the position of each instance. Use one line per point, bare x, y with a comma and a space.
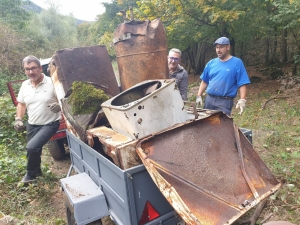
141, 49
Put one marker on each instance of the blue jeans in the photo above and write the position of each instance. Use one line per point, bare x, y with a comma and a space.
37, 137
218, 103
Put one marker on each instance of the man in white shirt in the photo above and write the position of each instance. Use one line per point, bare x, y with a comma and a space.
38, 98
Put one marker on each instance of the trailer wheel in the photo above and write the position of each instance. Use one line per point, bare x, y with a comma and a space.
97, 222
70, 215
56, 148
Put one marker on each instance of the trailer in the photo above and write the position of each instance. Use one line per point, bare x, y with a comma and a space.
162, 162
131, 196
147, 157
101, 188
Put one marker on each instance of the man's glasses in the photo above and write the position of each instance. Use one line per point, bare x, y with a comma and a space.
174, 59
27, 70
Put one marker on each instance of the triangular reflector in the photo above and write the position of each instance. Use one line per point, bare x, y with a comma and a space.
149, 213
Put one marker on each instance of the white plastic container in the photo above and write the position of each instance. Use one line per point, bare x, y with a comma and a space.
146, 108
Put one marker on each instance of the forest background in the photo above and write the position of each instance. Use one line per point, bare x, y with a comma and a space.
263, 33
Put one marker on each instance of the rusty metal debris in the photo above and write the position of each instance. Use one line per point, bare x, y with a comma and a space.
90, 64
208, 170
141, 49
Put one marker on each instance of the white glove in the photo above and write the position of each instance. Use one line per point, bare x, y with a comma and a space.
242, 105
199, 100
19, 126
54, 107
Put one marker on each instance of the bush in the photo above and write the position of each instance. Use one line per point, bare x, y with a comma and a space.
12, 144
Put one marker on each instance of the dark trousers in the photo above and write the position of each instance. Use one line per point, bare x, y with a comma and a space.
37, 137
218, 103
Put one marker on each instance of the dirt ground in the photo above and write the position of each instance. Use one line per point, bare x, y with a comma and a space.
60, 168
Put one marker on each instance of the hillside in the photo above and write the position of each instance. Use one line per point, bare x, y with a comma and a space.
32, 7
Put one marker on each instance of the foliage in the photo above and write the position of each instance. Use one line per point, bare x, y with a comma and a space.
86, 99
40, 35
11, 48
55, 30
286, 13
84, 36
188, 22
16, 200
12, 12
4, 78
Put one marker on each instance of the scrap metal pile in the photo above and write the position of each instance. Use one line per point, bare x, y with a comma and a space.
199, 160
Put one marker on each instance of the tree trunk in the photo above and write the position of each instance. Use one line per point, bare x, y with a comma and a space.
232, 46
193, 58
283, 57
267, 52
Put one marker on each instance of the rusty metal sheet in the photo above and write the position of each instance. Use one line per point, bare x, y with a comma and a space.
90, 64
208, 170
141, 49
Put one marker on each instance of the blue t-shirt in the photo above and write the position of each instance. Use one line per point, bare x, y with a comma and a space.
224, 78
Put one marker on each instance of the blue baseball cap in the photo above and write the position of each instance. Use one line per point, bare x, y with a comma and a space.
222, 41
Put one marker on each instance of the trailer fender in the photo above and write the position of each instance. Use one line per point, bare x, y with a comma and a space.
86, 198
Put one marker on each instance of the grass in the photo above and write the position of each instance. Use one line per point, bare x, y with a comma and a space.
277, 140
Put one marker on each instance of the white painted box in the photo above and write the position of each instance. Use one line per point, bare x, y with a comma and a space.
146, 108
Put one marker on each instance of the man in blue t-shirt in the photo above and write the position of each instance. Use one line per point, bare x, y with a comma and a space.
221, 78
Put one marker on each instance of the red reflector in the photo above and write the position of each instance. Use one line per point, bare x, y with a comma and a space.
149, 214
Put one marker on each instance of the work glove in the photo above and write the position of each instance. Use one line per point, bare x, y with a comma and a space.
242, 105
199, 100
54, 107
19, 125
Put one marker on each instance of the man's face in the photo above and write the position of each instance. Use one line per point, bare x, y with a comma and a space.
33, 71
173, 60
222, 51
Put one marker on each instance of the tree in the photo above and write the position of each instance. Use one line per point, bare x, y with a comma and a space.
193, 25
50, 31
84, 34
13, 13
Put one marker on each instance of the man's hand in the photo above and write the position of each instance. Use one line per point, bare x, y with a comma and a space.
19, 126
242, 105
199, 100
54, 107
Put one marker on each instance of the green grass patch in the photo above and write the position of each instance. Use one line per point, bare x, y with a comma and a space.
277, 139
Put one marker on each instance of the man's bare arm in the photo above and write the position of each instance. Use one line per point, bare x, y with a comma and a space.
21, 109
202, 88
243, 91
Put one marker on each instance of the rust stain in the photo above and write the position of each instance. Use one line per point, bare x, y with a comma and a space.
104, 133
128, 156
214, 119
90, 139
259, 183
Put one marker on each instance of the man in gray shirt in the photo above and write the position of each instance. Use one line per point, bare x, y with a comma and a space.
178, 72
